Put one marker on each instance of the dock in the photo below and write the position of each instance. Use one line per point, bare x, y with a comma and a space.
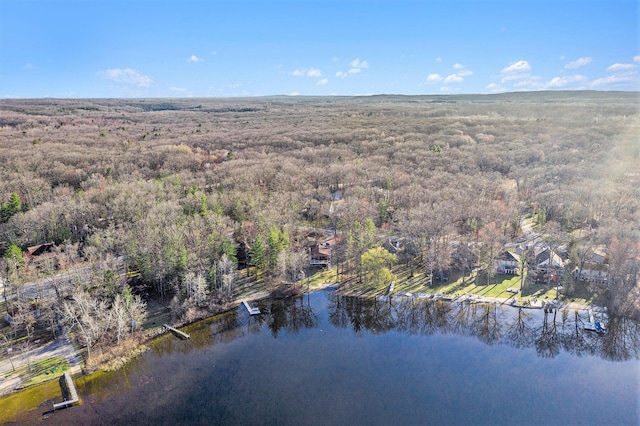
252, 311
176, 331
594, 325
391, 287
72, 393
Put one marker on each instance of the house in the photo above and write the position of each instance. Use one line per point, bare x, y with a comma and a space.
38, 250
320, 252
42, 256
594, 269
508, 263
546, 260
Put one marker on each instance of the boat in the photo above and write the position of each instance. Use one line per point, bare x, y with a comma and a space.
594, 325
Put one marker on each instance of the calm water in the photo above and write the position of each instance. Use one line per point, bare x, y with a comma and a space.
326, 359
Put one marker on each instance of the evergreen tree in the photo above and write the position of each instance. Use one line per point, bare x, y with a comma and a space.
257, 254
10, 208
277, 241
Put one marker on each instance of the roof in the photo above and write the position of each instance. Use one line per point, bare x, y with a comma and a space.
555, 260
509, 256
39, 249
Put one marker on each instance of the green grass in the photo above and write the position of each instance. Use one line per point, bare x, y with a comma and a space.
18, 403
320, 278
41, 371
420, 282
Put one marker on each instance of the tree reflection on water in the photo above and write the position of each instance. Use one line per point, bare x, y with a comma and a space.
550, 332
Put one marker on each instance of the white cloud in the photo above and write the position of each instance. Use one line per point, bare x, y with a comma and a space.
453, 78
126, 75
517, 67
564, 81
517, 71
458, 66
294, 94
356, 67
615, 80
438, 59
311, 72
636, 58
621, 67
495, 87
194, 58
622, 75
529, 83
214, 53
357, 63
514, 77
177, 89
322, 82
580, 62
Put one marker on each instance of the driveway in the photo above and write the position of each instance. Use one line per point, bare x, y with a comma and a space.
61, 347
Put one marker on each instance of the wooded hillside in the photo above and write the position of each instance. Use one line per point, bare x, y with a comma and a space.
183, 188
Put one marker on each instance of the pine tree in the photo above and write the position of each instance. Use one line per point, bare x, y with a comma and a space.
257, 254
10, 208
276, 242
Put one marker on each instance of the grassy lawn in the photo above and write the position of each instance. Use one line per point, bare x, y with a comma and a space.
27, 400
41, 371
249, 285
497, 286
321, 278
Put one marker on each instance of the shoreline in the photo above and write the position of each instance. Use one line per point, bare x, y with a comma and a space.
7, 387
476, 298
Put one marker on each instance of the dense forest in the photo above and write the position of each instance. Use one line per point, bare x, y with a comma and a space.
193, 196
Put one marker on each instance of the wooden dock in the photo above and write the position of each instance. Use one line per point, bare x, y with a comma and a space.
72, 393
391, 287
252, 311
176, 331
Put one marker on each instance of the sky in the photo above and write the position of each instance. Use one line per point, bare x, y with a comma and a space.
162, 48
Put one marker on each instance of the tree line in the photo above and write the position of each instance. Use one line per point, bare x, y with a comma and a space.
200, 195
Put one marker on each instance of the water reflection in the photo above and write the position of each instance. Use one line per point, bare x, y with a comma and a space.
290, 314
288, 364
550, 332
222, 328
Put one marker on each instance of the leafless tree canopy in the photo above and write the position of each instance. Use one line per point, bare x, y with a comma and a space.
182, 189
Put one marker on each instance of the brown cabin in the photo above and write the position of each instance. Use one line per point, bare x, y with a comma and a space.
320, 253
38, 250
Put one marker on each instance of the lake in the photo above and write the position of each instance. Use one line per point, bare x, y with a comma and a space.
328, 359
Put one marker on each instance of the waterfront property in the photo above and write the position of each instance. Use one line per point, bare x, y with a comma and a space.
323, 358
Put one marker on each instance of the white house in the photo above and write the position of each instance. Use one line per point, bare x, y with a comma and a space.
508, 263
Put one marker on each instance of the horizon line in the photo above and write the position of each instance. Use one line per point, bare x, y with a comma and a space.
8, 98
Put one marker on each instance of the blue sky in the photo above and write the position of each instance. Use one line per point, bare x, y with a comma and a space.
144, 48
